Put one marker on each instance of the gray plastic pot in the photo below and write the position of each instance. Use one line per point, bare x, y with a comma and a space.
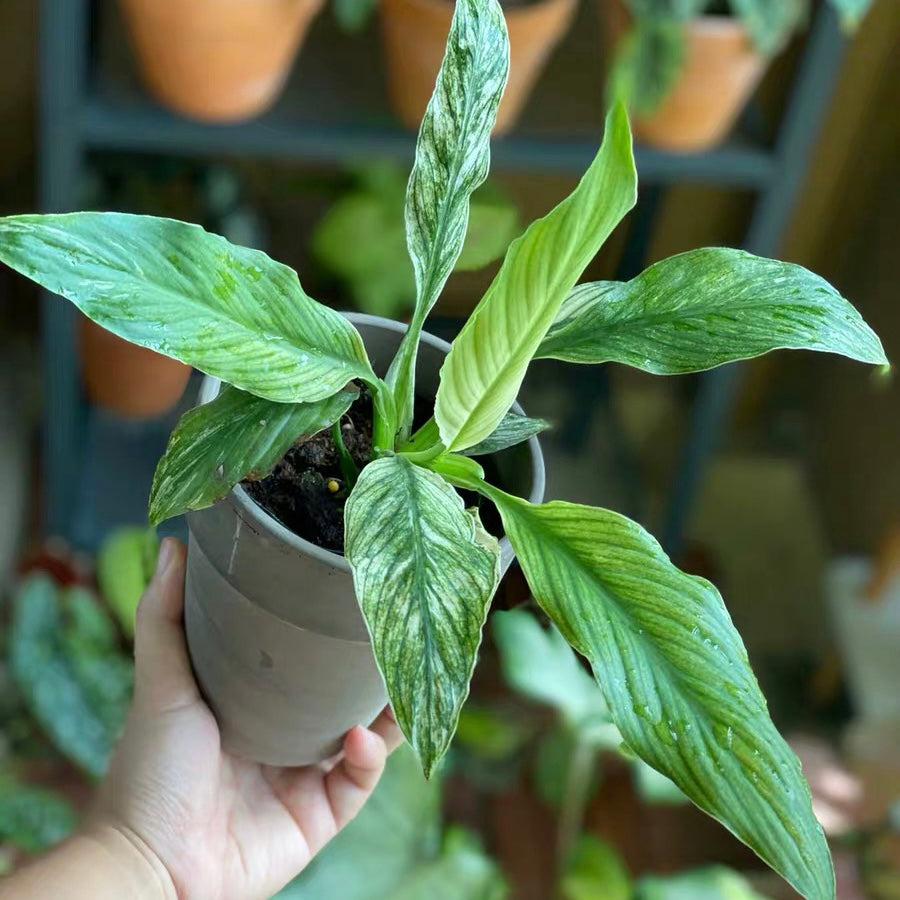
276, 638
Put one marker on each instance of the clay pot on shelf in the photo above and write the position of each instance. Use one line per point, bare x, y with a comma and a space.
414, 33
125, 379
721, 71
217, 60
276, 637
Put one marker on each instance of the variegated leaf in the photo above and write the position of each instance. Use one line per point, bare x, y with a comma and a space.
172, 287
234, 436
452, 160
487, 362
512, 429
424, 574
675, 675
704, 308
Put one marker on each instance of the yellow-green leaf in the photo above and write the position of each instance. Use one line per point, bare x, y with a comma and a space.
487, 362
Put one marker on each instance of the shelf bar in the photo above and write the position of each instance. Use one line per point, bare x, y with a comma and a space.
143, 127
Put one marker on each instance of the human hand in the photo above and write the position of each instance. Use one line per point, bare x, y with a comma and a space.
211, 824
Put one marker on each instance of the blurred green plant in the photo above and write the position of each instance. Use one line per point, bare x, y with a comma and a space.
397, 849
32, 818
125, 563
74, 679
596, 871
538, 664
652, 53
354, 15
361, 240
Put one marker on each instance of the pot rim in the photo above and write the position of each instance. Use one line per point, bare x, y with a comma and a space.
249, 510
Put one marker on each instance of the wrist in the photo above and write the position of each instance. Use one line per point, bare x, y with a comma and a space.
131, 859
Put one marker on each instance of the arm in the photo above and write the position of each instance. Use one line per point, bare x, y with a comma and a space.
100, 862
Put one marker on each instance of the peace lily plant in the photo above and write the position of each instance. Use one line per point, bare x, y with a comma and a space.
662, 647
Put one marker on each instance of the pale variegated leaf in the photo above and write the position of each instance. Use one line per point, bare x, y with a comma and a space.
452, 160
707, 307
424, 579
172, 287
513, 429
234, 436
675, 675
487, 362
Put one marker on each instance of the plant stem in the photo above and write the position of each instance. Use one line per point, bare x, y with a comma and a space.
348, 466
574, 803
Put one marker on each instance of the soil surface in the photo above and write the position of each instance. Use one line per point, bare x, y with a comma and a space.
300, 493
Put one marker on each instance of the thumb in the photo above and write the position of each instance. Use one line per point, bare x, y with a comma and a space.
163, 679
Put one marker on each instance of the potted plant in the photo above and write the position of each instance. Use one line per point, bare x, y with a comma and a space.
688, 68
217, 60
361, 239
414, 33
288, 649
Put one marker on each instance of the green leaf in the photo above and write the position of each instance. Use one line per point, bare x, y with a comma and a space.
704, 308
362, 239
852, 12
709, 883
487, 362
392, 849
90, 644
490, 734
353, 15
48, 659
234, 436
229, 311
770, 22
452, 160
595, 871
397, 830
32, 818
538, 663
648, 63
492, 227
512, 429
675, 675
125, 563
424, 578
463, 872
654, 787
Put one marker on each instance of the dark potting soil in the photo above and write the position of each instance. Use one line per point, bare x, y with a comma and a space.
300, 493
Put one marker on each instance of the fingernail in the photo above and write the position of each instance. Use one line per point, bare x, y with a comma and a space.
164, 560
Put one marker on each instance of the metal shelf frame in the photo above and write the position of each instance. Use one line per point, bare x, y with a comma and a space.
76, 119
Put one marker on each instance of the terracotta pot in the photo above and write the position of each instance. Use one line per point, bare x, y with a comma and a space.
276, 638
415, 34
721, 71
126, 379
217, 60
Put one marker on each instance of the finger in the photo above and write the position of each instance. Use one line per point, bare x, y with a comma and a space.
350, 783
163, 677
386, 727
